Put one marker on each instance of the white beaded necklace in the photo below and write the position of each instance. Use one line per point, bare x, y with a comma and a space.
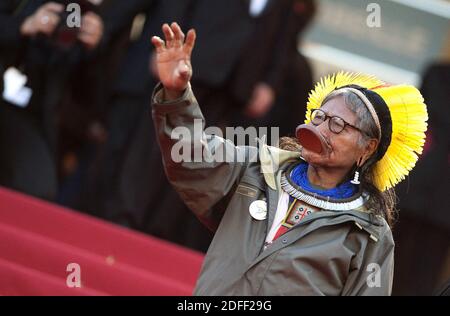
325, 205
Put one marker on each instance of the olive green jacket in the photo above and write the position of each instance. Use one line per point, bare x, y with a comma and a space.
328, 253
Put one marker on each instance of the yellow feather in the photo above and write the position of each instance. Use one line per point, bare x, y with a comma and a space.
327, 84
409, 117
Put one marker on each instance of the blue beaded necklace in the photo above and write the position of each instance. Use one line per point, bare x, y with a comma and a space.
343, 191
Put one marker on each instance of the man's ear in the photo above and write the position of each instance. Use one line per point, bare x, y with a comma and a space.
369, 150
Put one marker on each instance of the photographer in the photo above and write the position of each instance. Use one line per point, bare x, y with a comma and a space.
26, 19
22, 144
43, 21
33, 41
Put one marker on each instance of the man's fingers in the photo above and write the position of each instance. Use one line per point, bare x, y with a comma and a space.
190, 41
48, 18
168, 34
179, 35
87, 39
158, 43
54, 7
46, 23
91, 20
91, 25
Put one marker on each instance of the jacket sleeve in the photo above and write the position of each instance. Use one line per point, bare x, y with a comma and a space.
372, 269
10, 27
204, 169
10, 24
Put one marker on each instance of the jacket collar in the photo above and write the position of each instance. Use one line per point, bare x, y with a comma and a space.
271, 159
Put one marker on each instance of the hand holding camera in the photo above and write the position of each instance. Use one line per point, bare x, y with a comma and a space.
51, 20
43, 21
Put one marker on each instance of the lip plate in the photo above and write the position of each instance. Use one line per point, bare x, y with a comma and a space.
311, 139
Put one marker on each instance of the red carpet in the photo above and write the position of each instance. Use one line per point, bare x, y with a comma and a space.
38, 240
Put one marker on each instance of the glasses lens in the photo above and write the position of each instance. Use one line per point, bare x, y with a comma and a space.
317, 117
337, 125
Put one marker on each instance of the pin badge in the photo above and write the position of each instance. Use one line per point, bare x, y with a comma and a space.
258, 210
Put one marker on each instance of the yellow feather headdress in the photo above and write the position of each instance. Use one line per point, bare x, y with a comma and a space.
409, 122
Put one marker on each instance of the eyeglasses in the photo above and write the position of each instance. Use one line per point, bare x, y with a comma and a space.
335, 124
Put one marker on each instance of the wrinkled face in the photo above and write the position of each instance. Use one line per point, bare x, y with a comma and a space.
344, 149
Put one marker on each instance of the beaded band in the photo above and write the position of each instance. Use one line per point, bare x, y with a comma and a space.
312, 200
368, 104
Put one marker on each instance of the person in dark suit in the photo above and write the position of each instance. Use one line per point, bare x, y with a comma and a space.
216, 66
243, 87
18, 136
281, 97
423, 230
30, 41
126, 183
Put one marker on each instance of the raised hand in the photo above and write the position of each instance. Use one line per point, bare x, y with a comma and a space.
173, 59
261, 101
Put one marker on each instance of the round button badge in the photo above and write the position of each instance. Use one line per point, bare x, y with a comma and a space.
258, 210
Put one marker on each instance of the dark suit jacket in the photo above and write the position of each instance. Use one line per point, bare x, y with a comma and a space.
264, 56
223, 30
12, 15
424, 193
25, 161
236, 50
271, 51
134, 76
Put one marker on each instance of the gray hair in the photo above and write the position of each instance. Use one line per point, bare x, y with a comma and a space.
364, 122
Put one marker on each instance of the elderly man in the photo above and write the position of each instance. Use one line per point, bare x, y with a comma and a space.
316, 223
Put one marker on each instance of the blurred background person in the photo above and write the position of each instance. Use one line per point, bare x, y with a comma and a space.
423, 230
125, 182
285, 75
37, 41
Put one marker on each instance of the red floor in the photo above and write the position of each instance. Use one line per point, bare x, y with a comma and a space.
38, 240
